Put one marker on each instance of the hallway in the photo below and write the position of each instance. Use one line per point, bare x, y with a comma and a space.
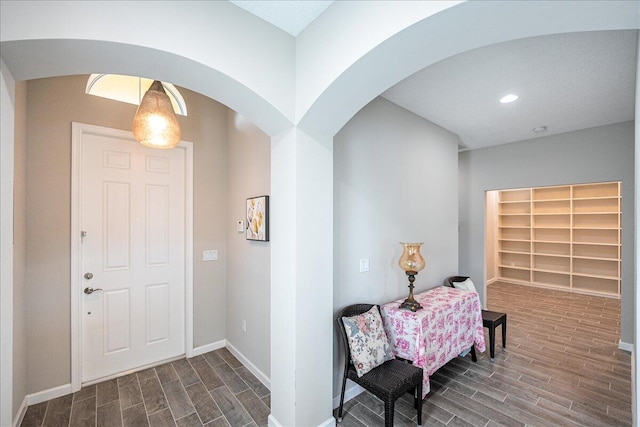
213, 389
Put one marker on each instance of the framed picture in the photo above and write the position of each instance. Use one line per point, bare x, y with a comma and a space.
258, 218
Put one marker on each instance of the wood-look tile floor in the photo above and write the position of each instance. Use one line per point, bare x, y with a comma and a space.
213, 389
562, 367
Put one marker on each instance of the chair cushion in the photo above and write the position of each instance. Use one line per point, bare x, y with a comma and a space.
367, 340
467, 285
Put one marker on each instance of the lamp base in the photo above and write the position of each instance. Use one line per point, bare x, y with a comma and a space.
411, 305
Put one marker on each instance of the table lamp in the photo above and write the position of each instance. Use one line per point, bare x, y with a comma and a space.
411, 262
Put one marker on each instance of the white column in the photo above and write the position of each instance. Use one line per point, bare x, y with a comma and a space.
7, 111
301, 229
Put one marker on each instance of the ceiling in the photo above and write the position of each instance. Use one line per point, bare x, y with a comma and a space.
292, 16
565, 82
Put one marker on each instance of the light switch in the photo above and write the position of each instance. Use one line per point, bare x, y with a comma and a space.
240, 225
210, 255
364, 265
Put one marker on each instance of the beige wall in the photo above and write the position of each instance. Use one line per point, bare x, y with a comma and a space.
248, 262
52, 104
206, 127
19, 248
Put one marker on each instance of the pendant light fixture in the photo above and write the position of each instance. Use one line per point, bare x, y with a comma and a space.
155, 124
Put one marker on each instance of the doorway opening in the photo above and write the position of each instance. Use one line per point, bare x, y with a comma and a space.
103, 314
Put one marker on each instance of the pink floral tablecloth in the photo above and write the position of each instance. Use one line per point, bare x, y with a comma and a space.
449, 322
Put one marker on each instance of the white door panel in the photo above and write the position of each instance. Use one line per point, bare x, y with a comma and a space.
133, 212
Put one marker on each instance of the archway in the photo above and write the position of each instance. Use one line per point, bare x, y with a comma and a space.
42, 40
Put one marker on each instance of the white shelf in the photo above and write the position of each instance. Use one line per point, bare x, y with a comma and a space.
573, 237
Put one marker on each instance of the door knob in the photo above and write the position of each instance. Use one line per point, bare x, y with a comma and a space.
88, 276
89, 291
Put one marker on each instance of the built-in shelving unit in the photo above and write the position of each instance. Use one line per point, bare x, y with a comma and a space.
565, 237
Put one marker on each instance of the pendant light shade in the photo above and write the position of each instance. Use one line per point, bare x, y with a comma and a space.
155, 124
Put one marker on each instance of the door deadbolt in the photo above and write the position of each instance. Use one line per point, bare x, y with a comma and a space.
88, 276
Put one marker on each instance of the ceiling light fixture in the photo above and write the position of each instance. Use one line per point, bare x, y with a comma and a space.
155, 124
540, 129
508, 98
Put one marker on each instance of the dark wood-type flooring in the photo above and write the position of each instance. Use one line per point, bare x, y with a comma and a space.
562, 367
213, 390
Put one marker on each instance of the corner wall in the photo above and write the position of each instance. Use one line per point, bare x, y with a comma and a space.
395, 180
248, 262
491, 226
604, 153
7, 143
20, 350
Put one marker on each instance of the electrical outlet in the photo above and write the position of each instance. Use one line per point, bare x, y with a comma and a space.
240, 225
244, 326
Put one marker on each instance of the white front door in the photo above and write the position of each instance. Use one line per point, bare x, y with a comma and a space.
132, 214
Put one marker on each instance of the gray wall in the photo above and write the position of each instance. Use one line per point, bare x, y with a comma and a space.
52, 104
19, 248
395, 180
248, 262
598, 154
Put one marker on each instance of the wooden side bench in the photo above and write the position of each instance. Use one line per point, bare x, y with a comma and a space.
491, 320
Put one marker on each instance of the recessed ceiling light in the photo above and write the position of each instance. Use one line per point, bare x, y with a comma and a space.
540, 129
508, 98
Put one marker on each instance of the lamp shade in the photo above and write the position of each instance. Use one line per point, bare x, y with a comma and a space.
411, 260
155, 124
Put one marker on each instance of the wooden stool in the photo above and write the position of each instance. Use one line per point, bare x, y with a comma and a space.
491, 320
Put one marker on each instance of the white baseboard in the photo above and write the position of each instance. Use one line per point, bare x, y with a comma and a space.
52, 393
266, 381
246, 362
21, 411
272, 422
625, 346
349, 393
39, 397
330, 422
209, 347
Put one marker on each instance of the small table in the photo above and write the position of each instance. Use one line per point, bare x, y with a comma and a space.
449, 323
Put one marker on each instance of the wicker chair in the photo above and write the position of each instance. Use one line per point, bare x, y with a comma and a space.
490, 319
388, 381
